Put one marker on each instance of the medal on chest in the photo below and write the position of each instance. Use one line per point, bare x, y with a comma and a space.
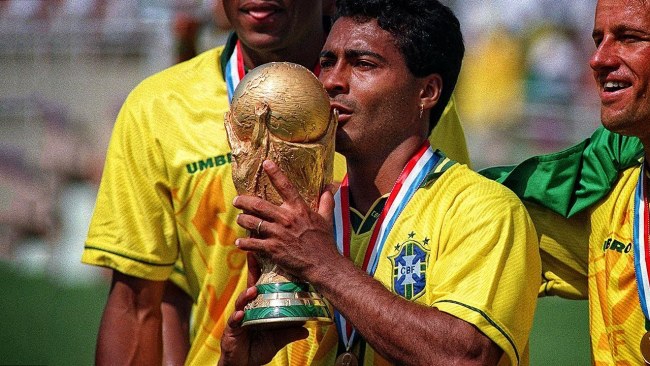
405, 187
346, 359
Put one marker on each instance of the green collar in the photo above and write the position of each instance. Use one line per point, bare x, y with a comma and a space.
228, 49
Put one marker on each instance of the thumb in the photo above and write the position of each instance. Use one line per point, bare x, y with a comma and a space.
326, 206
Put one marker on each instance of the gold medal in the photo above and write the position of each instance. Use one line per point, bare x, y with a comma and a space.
645, 347
348, 359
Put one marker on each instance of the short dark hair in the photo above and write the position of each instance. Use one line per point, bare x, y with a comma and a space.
426, 32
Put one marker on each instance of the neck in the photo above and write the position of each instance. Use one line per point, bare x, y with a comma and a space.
372, 178
304, 52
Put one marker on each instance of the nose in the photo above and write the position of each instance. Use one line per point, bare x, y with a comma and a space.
335, 80
604, 57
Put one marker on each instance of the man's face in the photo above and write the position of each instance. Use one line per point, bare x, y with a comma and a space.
270, 25
370, 85
621, 65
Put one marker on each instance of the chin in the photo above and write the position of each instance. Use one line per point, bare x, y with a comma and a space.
622, 125
262, 41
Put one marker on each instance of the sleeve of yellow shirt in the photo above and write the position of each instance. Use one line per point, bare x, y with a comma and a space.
129, 231
564, 250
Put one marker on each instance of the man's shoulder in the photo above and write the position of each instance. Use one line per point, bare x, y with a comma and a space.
622, 191
197, 82
463, 178
463, 188
201, 72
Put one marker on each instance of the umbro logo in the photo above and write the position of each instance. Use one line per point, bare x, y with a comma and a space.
615, 245
211, 162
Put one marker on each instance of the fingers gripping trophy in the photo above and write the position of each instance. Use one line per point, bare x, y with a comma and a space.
281, 112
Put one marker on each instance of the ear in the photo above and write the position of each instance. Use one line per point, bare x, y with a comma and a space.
431, 91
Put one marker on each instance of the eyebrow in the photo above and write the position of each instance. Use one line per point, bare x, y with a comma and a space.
619, 29
354, 54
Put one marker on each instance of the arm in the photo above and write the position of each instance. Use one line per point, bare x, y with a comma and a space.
176, 310
564, 250
292, 233
130, 329
359, 297
133, 232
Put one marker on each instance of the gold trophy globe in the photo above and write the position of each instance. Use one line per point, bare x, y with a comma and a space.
281, 112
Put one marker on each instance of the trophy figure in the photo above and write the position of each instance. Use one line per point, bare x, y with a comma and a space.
281, 112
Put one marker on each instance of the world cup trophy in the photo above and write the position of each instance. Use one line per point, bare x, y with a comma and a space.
281, 112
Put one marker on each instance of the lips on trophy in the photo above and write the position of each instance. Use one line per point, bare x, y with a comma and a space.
281, 112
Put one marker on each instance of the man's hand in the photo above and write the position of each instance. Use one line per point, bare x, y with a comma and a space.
250, 345
291, 235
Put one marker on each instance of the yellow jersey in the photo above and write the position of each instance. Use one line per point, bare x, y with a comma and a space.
590, 255
476, 256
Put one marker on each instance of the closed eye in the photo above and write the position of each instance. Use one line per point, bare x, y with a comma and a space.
326, 63
365, 64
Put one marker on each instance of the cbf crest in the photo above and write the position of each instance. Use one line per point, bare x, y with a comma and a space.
409, 267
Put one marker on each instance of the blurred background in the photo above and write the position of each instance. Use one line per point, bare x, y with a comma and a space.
66, 66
